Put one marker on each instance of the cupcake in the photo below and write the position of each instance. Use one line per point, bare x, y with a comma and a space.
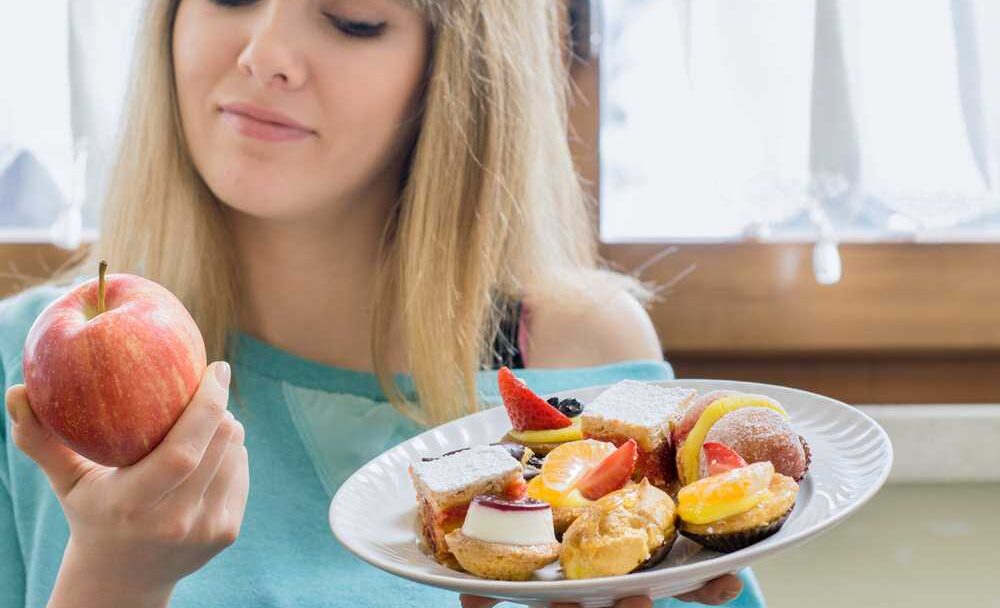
504, 539
734, 509
624, 531
755, 426
760, 434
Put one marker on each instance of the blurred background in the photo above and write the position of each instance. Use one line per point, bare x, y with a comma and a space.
812, 185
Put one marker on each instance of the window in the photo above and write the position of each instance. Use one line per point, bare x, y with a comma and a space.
736, 175
65, 68
800, 120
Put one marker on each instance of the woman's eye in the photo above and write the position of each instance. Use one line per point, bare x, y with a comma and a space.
358, 29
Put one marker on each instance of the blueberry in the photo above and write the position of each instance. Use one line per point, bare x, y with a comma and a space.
570, 407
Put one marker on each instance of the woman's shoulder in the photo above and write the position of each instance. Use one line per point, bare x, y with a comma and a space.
588, 328
18, 312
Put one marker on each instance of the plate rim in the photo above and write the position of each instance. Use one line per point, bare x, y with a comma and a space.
698, 569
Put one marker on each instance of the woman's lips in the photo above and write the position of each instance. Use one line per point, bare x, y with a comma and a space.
262, 129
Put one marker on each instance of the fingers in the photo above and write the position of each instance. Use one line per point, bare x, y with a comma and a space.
472, 601
715, 592
230, 486
629, 602
61, 465
634, 602
194, 487
183, 449
239, 489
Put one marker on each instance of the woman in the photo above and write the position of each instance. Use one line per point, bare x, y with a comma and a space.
353, 198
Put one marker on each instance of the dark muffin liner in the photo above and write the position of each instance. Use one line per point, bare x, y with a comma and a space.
658, 554
734, 541
805, 448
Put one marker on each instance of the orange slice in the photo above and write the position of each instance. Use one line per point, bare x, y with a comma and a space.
538, 490
566, 464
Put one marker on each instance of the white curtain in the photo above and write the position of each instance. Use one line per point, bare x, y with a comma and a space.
36, 145
64, 66
815, 120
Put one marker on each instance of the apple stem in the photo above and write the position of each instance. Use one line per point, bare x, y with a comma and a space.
102, 268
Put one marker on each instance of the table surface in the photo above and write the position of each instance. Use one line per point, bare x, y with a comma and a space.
913, 545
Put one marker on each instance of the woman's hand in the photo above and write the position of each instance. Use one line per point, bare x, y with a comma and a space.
137, 530
715, 592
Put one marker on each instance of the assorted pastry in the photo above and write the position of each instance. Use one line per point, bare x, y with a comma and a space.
755, 426
605, 488
624, 531
576, 474
538, 425
734, 509
505, 539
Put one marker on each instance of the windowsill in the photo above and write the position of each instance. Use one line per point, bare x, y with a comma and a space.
40, 236
984, 236
941, 443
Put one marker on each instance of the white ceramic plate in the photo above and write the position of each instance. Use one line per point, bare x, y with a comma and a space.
374, 512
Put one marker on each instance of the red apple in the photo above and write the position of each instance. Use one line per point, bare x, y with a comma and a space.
110, 366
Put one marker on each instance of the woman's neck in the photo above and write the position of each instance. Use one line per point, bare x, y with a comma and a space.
308, 287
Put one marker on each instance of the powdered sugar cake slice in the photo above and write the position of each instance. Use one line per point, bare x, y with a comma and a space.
643, 412
463, 469
445, 486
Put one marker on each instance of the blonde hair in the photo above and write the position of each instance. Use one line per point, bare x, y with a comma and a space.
509, 215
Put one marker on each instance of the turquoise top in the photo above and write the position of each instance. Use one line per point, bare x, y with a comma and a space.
308, 427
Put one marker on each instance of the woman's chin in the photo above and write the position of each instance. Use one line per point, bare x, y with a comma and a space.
257, 203
278, 206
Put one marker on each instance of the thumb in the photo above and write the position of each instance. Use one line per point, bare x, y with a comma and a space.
63, 466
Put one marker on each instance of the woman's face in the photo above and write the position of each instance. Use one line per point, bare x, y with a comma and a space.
346, 73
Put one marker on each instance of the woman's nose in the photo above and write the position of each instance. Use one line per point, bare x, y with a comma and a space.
270, 56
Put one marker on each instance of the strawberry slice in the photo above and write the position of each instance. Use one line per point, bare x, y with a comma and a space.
527, 411
721, 458
611, 473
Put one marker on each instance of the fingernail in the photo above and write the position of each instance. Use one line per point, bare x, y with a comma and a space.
222, 374
634, 602
725, 596
15, 415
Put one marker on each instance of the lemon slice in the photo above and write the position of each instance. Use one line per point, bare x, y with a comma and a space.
572, 432
720, 496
